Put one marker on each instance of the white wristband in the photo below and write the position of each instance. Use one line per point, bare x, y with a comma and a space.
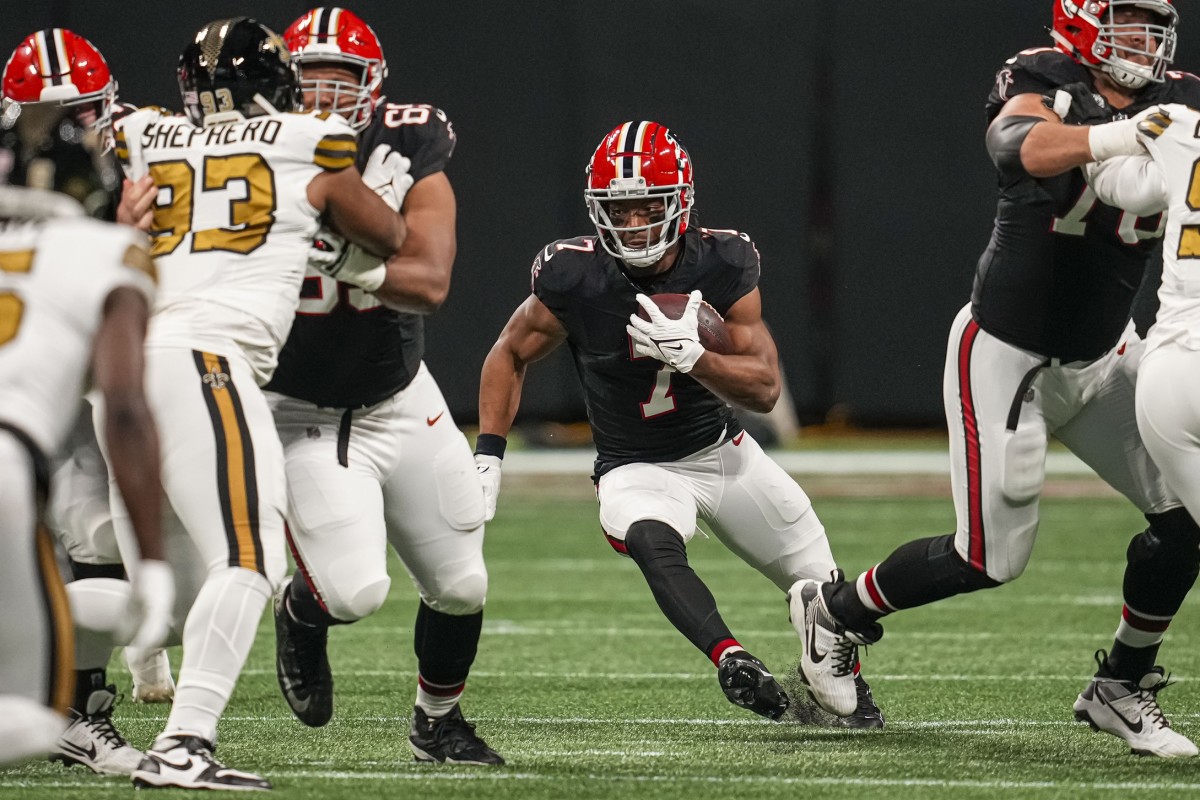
1114, 139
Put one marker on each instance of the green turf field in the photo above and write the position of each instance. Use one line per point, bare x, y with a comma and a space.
589, 693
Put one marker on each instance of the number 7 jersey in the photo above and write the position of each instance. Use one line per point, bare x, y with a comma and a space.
232, 223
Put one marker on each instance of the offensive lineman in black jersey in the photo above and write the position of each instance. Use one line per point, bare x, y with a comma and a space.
670, 448
1045, 347
373, 455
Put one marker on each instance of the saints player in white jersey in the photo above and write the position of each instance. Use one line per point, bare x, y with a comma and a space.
74, 296
1167, 397
58, 67
242, 189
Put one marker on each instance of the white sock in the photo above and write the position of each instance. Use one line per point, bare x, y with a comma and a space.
217, 637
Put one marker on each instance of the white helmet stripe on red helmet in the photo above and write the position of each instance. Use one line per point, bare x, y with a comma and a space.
631, 145
325, 24
52, 57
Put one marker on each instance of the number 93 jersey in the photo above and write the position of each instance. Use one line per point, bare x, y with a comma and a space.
232, 223
54, 279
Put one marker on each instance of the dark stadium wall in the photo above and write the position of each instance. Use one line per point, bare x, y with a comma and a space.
845, 138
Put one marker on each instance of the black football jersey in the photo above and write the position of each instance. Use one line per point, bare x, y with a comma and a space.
1059, 274
355, 352
639, 410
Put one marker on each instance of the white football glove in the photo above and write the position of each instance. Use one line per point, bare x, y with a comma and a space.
331, 254
151, 605
488, 468
1128, 137
675, 342
387, 175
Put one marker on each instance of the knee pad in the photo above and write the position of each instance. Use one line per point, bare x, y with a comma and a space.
463, 595
365, 601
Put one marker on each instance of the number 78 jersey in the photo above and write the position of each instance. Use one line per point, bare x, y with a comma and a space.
232, 222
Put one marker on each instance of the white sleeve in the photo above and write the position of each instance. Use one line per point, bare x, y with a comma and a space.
1134, 183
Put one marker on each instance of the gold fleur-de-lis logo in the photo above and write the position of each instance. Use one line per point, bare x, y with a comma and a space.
216, 379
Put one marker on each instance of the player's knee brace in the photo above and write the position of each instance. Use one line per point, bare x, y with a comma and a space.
462, 595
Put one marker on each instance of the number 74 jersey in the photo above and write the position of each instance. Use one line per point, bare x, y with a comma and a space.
232, 222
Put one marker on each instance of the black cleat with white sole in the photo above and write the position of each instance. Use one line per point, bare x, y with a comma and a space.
449, 739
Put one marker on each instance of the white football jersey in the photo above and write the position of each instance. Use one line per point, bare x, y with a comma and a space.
55, 276
232, 223
1166, 179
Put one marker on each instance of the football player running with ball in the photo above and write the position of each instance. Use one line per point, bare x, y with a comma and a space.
1045, 347
670, 448
373, 456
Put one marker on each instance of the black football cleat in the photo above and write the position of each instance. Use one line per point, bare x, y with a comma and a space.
302, 666
867, 716
449, 740
748, 683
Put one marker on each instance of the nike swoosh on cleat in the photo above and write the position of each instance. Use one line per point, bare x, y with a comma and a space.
76, 750
300, 705
172, 764
812, 644
1132, 727
431, 420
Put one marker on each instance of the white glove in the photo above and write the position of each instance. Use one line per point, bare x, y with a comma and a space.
674, 342
488, 468
1127, 137
151, 605
330, 254
387, 175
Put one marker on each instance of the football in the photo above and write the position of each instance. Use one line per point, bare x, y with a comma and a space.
714, 336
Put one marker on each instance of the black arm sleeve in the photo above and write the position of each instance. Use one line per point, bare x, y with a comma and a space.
1004, 139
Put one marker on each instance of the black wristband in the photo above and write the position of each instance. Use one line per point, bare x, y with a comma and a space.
490, 444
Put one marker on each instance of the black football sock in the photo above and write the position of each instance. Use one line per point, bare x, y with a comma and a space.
86, 682
445, 645
660, 554
920, 572
304, 607
1161, 566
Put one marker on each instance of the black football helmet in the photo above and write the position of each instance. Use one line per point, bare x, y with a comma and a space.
237, 65
50, 166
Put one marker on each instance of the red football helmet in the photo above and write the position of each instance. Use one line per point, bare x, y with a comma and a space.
58, 66
340, 37
1088, 31
640, 159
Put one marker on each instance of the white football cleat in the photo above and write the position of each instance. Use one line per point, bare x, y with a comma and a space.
91, 739
1131, 712
187, 762
828, 653
151, 671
